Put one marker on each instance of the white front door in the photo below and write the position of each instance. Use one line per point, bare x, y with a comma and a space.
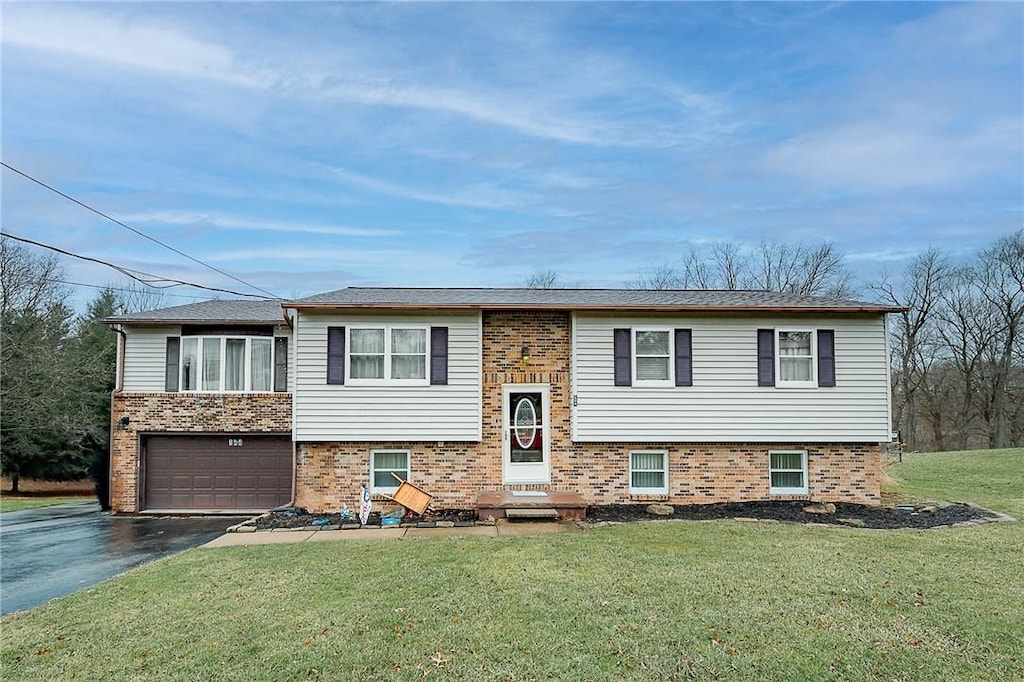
525, 433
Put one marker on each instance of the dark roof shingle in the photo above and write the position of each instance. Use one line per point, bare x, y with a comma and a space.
578, 299
225, 311
266, 312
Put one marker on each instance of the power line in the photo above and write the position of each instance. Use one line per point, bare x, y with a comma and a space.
132, 229
133, 274
130, 291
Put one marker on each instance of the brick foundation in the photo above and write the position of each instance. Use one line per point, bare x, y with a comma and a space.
184, 413
330, 474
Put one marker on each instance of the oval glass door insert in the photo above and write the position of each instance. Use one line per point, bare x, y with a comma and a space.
525, 423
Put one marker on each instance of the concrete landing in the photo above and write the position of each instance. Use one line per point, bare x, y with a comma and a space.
500, 529
496, 503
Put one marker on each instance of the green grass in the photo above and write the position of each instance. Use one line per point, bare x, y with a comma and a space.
992, 478
648, 601
10, 502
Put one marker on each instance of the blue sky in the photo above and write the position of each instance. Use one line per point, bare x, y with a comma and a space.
309, 146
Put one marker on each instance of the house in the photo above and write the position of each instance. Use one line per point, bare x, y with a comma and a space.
616, 396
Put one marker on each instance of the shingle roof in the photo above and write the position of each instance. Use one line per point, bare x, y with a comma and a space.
220, 311
579, 299
266, 312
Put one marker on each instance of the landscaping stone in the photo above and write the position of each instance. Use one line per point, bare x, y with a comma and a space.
660, 509
424, 524
856, 523
445, 524
927, 509
489, 521
350, 526
245, 529
821, 508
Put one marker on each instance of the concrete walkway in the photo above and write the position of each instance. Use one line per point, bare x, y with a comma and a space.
279, 537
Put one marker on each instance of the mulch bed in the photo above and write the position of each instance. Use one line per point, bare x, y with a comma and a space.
856, 515
904, 516
297, 517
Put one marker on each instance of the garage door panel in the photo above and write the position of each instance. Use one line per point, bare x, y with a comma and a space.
206, 473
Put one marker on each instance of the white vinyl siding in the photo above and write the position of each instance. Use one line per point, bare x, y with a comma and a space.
145, 355
387, 412
725, 404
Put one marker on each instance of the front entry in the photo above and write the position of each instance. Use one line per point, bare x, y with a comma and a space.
525, 439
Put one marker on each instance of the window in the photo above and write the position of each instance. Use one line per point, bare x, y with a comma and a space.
788, 472
648, 472
226, 364
652, 358
384, 466
388, 354
795, 358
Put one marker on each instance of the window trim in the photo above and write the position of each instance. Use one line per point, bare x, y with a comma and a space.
387, 380
803, 490
670, 380
221, 379
663, 490
783, 383
388, 490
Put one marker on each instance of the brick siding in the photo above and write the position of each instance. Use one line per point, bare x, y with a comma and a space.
184, 413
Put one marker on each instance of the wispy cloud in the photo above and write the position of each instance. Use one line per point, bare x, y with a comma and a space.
227, 222
477, 196
126, 43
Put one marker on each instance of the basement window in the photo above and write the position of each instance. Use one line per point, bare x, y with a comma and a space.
788, 472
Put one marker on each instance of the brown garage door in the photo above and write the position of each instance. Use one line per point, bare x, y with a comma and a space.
206, 473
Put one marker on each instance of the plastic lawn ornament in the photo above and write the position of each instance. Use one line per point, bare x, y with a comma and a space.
364, 507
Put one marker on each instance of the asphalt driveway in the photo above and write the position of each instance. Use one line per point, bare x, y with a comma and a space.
54, 551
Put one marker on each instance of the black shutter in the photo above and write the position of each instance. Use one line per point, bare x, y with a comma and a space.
438, 355
281, 364
826, 357
335, 355
684, 357
171, 364
765, 357
623, 358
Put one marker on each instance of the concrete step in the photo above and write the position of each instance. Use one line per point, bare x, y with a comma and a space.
531, 514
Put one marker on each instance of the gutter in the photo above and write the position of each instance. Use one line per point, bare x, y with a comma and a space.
601, 308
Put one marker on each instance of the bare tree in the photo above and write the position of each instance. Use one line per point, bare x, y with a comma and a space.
724, 267
1000, 276
801, 269
965, 326
913, 332
548, 279
659, 278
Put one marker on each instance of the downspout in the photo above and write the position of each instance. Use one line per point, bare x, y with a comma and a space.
291, 376
122, 340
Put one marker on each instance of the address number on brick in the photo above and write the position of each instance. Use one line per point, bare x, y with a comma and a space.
235, 442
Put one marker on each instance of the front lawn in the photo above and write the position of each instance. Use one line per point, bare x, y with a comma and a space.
648, 601
10, 502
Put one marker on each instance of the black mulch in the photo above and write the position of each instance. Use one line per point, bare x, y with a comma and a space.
907, 516
297, 517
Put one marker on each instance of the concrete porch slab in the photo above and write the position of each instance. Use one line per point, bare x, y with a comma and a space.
359, 534
495, 503
238, 539
468, 531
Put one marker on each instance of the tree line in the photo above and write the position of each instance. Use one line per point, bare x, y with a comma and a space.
57, 370
957, 351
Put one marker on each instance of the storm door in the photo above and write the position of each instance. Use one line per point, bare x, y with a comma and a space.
525, 433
